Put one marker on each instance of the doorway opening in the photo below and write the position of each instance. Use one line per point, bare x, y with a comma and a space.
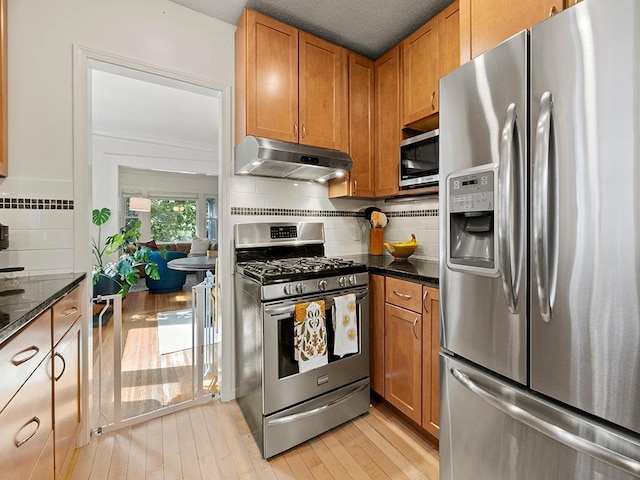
156, 138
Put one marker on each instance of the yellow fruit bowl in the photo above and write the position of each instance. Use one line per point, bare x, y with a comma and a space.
401, 251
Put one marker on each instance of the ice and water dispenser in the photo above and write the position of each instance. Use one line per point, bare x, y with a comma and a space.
471, 198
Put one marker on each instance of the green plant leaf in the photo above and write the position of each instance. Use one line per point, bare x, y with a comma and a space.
100, 217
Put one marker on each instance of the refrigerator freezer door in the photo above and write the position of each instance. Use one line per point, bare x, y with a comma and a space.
585, 222
500, 432
483, 126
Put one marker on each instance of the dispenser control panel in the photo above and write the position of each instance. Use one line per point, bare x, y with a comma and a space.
472, 192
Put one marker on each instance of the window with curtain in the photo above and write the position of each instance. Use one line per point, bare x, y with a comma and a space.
211, 220
173, 220
130, 217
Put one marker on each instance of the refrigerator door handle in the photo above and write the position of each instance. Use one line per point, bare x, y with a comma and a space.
511, 198
556, 432
541, 201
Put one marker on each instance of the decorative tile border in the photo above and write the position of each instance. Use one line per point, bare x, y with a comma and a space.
432, 212
293, 212
36, 204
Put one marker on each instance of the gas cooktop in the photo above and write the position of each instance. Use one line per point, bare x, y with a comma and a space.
302, 268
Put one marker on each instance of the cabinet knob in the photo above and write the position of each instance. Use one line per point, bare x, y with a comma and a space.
433, 98
355, 186
304, 131
552, 11
415, 334
295, 130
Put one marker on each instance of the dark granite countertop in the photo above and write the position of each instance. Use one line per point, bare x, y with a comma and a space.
22, 299
424, 271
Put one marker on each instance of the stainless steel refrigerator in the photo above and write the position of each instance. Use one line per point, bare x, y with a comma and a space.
540, 253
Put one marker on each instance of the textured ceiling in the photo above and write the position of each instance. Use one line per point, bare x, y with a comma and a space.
368, 27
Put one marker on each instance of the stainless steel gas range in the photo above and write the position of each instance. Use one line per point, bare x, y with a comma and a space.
301, 334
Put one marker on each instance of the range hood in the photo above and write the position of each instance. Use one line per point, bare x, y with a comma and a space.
273, 158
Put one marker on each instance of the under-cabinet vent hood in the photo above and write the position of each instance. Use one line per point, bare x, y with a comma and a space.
273, 158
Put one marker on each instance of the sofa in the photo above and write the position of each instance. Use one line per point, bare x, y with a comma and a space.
170, 280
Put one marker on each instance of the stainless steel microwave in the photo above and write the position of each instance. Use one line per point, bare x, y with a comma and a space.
419, 160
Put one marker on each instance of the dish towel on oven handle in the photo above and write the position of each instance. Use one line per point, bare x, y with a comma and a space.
310, 333
345, 325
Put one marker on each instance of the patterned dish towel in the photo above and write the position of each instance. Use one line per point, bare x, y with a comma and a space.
310, 331
345, 325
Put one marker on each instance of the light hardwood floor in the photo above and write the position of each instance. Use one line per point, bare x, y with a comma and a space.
212, 441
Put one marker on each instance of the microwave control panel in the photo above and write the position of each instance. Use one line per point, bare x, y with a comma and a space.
472, 192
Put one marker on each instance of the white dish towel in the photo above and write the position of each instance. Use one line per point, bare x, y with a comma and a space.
345, 325
310, 331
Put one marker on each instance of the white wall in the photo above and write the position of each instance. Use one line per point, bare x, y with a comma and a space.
40, 58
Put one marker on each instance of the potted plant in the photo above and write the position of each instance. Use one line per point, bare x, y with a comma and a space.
117, 277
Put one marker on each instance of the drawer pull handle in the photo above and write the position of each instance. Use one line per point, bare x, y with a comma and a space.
70, 311
19, 443
402, 295
64, 366
16, 360
415, 334
424, 298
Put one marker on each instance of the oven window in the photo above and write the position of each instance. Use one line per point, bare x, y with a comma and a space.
287, 363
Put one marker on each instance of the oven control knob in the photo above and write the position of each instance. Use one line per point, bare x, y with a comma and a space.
322, 285
300, 287
352, 280
289, 289
342, 281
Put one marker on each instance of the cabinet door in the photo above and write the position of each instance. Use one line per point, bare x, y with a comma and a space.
66, 396
430, 365
361, 126
420, 73
376, 333
403, 360
20, 356
323, 100
448, 39
486, 23
272, 78
387, 118
25, 427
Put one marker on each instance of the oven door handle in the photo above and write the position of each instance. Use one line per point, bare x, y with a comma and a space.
289, 309
308, 413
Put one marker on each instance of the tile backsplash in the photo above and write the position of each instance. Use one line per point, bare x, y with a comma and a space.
256, 199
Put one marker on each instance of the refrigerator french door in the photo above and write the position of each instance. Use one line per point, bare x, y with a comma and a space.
540, 364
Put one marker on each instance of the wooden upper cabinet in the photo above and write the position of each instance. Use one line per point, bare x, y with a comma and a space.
290, 85
449, 39
486, 23
4, 95
323, 99
420, 73
266, 78
387, 120
427, 54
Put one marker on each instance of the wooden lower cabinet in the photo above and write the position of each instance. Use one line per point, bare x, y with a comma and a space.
25, 428
405, 344
376, 333
430, 360
403, 360
66, 397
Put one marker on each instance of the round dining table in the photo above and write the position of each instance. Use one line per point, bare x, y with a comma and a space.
199, 264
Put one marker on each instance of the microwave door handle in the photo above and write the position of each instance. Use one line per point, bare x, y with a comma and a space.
541, 203
511, 204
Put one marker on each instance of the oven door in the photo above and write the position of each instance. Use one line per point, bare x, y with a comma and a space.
284, 385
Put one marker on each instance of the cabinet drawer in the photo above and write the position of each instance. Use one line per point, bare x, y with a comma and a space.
65, 312
404, 294
20, 356
26, 425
